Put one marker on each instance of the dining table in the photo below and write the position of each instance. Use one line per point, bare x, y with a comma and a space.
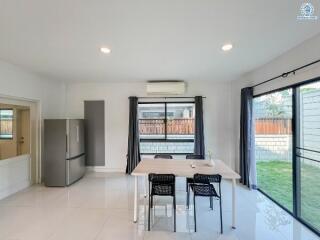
183, 168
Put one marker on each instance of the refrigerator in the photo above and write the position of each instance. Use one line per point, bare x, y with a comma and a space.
64, 151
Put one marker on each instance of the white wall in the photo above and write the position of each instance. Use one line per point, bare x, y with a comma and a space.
304, 53
218, 124
17, 83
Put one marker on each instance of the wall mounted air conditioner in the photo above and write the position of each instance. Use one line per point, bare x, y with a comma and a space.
166, 87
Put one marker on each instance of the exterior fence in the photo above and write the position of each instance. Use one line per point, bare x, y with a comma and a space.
174, 126
265, 126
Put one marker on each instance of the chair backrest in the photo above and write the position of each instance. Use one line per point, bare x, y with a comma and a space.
194, 156
162, 184
207, 179
165, 156
162, 178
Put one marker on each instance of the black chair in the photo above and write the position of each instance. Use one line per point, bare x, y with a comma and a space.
190, 180
194, 156
165, 156
202, 187
162, 185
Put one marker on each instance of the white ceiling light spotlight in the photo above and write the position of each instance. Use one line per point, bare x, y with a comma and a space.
227, 47
105, 50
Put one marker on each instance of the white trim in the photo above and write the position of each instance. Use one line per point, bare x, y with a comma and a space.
105, 169
15, 98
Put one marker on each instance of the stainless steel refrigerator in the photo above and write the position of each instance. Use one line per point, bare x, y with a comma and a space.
64, 151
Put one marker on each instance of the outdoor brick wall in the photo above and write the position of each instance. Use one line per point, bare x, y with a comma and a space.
163, 147
273, 147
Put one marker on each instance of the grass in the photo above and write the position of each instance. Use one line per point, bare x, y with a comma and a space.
275, 179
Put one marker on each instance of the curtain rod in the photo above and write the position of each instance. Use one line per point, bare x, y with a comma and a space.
286, 74
165, 97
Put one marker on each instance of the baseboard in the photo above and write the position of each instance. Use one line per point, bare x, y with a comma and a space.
105, 169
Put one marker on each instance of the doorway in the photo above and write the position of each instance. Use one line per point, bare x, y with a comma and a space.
26, 123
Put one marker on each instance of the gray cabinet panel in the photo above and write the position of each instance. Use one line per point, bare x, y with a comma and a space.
94, 133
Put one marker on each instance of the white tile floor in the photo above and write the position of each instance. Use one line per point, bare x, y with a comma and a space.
100, 206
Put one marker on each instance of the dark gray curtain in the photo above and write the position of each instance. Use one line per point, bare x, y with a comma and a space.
247, 161
199, 147
133, 155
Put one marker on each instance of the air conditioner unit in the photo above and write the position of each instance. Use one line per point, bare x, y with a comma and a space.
166, 87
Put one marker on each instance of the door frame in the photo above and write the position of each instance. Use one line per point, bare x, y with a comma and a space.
35, 166
296, 182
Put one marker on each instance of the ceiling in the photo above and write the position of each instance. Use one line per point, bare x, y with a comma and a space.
149, 39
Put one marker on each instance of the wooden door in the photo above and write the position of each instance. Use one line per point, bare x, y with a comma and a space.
24, 132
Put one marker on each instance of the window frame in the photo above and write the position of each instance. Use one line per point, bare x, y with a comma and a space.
12, 120
166, 139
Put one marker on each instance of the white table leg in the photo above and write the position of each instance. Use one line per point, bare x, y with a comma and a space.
234, 203
146, 186
135, 203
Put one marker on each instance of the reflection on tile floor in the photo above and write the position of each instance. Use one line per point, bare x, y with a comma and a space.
100, 206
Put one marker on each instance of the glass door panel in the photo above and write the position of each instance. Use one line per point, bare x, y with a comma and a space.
308, 154
273, 146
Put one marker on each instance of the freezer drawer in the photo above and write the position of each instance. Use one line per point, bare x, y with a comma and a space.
75, 169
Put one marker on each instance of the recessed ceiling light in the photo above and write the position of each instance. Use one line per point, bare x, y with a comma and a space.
105, 50
227, 47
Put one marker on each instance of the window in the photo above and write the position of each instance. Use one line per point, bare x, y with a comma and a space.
6, 123
166, 127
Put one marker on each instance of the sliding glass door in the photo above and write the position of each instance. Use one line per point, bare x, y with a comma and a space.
273, 146
287, 149
308, 154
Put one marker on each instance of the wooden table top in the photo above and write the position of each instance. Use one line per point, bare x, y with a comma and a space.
182, 168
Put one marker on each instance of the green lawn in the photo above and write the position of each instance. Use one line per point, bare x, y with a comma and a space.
275, 179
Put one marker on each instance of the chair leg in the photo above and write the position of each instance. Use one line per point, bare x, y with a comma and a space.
194, 213
187, 184
174, 212
151, 201
211, 203
149, 212
221, 225
188, 197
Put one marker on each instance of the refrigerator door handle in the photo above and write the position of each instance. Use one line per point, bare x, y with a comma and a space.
77, 133
68, 173
67, 138
67, 147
